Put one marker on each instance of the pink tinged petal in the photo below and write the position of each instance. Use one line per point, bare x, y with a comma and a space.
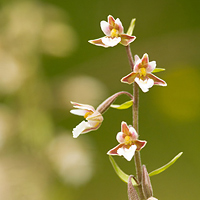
111, 20
137, 59
125, 128
127, 39
82, 106
105, 27
118, 26
144, 84
140, 144
157, 81
120, 137
111, 42
127, 153
80, 128
130, 78
98, 42
114, 150
151, 66
79, 112
133, 133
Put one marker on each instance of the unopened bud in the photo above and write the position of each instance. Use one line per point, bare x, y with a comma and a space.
146, 184
106, 104
132, 193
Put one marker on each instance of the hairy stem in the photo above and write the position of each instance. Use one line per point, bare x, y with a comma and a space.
137, 157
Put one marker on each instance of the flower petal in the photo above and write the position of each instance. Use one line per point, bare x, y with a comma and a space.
125, 128
96, 116
79, 112
83, 106
140, 144
144, 85
130, 78
157, 81
114, 150
145, 60
119, 26
105, 27
120, 137
111, 42
127, 39
98, 42
80, 128
137, 59
133, 133
111, 20
127, 153
151, 66
92, 125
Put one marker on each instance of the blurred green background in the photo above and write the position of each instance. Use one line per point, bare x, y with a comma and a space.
46, 61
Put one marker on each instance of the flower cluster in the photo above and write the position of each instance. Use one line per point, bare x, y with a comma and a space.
142, 74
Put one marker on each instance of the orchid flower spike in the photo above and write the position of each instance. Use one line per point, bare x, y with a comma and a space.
129, 143
93, 117
114, 32
142, 74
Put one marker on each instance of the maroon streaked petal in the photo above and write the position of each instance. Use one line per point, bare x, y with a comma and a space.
157, 81
130, 78
127, 39
111, 20
113, 151
140, 144
98, 42
125, 128
145, 60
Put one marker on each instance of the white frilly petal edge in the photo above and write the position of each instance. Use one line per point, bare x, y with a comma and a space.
127, 153
144, 85
111, 42
80, 128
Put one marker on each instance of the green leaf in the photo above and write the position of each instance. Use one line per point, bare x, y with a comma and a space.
125, 105
158, 70
123, 176
131, 27
163, 168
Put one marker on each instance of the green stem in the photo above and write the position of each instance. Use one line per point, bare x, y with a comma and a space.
137, 157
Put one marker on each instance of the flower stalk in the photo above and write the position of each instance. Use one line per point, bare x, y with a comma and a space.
137, 157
